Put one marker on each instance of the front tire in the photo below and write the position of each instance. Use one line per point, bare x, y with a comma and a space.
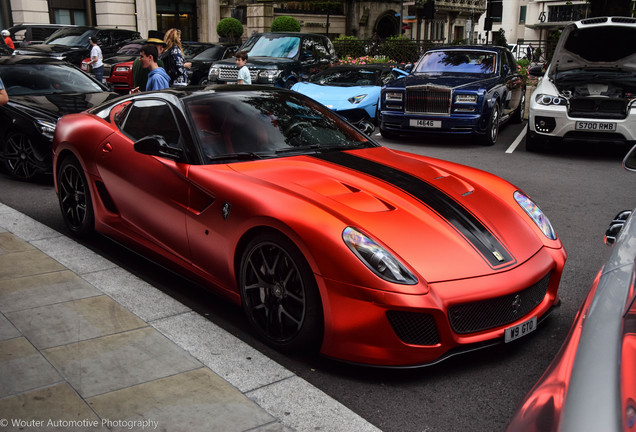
492, 130
279, 294
19, 157
75, 198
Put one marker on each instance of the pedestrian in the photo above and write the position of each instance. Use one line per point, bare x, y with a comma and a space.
96, 59
173, 59
7, 39
4, 97
157, 77
244, 76
140, 74
529, 52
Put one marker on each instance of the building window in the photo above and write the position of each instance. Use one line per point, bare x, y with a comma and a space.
495, 10
567, 13
181, 15
69, 16
522, 14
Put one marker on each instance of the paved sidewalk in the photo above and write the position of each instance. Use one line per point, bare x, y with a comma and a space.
85, 345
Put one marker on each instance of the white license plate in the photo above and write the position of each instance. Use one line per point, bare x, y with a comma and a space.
595, 126
426, 123
520, 330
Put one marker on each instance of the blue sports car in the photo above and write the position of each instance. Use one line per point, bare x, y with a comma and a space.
352, 91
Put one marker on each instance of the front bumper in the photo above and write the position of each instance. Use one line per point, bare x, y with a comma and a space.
553, 125
400, 123
367, 326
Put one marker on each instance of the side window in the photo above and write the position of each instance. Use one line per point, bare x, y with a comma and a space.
103, 38
150, 117
307, 50
331, 50
513, 63
321, 50
119, 37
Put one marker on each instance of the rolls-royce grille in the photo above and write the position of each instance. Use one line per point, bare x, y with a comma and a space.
414, 328
231, 74
486, 314
614, 108
428, 100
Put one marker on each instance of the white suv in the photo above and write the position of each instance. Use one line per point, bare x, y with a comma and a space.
588, 92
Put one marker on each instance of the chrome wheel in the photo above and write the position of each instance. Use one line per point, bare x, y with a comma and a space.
20, 158
492, 131
279, 293
75, 198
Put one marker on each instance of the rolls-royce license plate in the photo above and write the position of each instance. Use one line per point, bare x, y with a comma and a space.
520, 330
426, 123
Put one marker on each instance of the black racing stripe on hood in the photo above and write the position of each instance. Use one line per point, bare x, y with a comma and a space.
444, 205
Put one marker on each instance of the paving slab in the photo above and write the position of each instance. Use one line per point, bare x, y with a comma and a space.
25, 263
193, 401
23, 368
118, 361
73, 321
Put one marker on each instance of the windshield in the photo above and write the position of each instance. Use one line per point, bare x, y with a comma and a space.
274, 46
45, 79
71, 37
212, 53
473, 62
265, 124
347, 77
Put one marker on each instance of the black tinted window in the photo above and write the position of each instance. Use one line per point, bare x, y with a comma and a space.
151, 117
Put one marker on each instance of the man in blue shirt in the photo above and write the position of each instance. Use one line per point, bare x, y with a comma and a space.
157, 78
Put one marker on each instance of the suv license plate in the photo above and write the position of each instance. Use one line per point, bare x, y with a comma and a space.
520, 330
595, 126
426, 123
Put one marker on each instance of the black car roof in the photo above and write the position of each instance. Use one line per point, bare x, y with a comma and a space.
470, 47
30, 59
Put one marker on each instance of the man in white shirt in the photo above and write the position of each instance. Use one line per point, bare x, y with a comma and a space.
96, 59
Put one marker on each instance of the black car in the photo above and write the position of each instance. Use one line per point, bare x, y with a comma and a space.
41, 90
30, 34
457, 89
198, 72
72, 43
280, 59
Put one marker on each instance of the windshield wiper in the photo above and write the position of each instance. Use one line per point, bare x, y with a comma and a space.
318, 148
242, 156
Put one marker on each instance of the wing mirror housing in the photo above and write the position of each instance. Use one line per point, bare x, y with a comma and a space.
156, 145
629, 162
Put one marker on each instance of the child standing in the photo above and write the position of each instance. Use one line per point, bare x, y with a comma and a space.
244, 76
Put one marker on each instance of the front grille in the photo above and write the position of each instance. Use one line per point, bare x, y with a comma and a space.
428, 100
107, 70
486, 314
598, 108
231, 74
414, 328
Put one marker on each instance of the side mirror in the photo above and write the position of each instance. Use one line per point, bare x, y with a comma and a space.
629, 163
155, 145
536, 71
616, 226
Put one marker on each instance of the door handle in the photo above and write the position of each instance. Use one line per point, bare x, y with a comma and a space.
107, 148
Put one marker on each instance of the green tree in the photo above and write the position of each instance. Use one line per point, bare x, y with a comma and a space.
285, 24
230, 28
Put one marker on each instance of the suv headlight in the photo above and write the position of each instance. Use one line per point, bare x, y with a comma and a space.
546, 99
268, 76
213, 74
376, 258
535, 214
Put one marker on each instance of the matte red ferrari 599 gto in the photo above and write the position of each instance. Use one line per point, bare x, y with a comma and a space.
328, 240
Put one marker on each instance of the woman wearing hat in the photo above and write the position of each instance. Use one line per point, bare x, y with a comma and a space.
96, 60
173, 60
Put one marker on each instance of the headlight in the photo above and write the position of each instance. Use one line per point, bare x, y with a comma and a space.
356, 99
376, 258
46, 128
122, 69
393, 96
466, 98
535, 214
269, 76
545, 99
213, 74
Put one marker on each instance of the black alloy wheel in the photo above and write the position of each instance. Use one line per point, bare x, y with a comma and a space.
279, 294
19, 157
75, 198
492, 130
